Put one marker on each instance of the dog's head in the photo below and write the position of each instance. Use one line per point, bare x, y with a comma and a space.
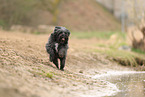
61, 35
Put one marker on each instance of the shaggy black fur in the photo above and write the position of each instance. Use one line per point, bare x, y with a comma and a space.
57, 46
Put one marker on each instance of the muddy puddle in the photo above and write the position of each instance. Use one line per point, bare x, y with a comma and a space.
130, 84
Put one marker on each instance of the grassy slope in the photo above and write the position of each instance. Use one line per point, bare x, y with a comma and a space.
110, 45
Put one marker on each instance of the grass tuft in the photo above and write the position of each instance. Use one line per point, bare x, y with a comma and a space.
49, 75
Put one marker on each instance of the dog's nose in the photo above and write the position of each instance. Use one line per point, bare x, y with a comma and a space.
63, 39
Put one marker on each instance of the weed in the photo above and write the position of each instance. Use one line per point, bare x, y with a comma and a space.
49, 75
43, 71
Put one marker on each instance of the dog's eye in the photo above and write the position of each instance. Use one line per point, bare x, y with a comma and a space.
66, 33
61, 32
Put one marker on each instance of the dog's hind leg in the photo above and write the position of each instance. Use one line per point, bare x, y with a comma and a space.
55, 61
62, 64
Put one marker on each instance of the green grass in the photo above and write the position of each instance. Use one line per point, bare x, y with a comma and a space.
37, 33
42, 73
49, 75
88, 35
123, 57
138, 51
101, 45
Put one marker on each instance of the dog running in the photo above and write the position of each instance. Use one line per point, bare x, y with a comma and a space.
57, 46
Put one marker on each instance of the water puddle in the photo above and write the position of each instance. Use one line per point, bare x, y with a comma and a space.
130, 84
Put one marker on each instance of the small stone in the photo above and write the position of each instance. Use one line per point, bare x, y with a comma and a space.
80, 71
74, 84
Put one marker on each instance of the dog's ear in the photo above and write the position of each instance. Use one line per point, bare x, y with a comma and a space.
55, 32
68, 32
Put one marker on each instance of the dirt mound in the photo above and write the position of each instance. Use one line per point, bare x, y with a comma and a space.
86, 15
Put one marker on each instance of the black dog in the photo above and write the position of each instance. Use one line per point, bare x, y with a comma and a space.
57, 46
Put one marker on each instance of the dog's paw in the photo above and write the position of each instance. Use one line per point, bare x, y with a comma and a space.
50, 59
61, 69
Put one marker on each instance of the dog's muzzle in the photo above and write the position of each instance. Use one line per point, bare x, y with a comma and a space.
63, 40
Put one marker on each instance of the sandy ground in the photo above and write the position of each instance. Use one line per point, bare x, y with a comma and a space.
25, 70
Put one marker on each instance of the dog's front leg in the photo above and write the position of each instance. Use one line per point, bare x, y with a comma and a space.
55, 61
62, 63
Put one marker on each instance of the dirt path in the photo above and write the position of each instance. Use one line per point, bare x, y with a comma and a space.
25, 70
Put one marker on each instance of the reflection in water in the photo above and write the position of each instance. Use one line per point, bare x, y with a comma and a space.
131, 85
